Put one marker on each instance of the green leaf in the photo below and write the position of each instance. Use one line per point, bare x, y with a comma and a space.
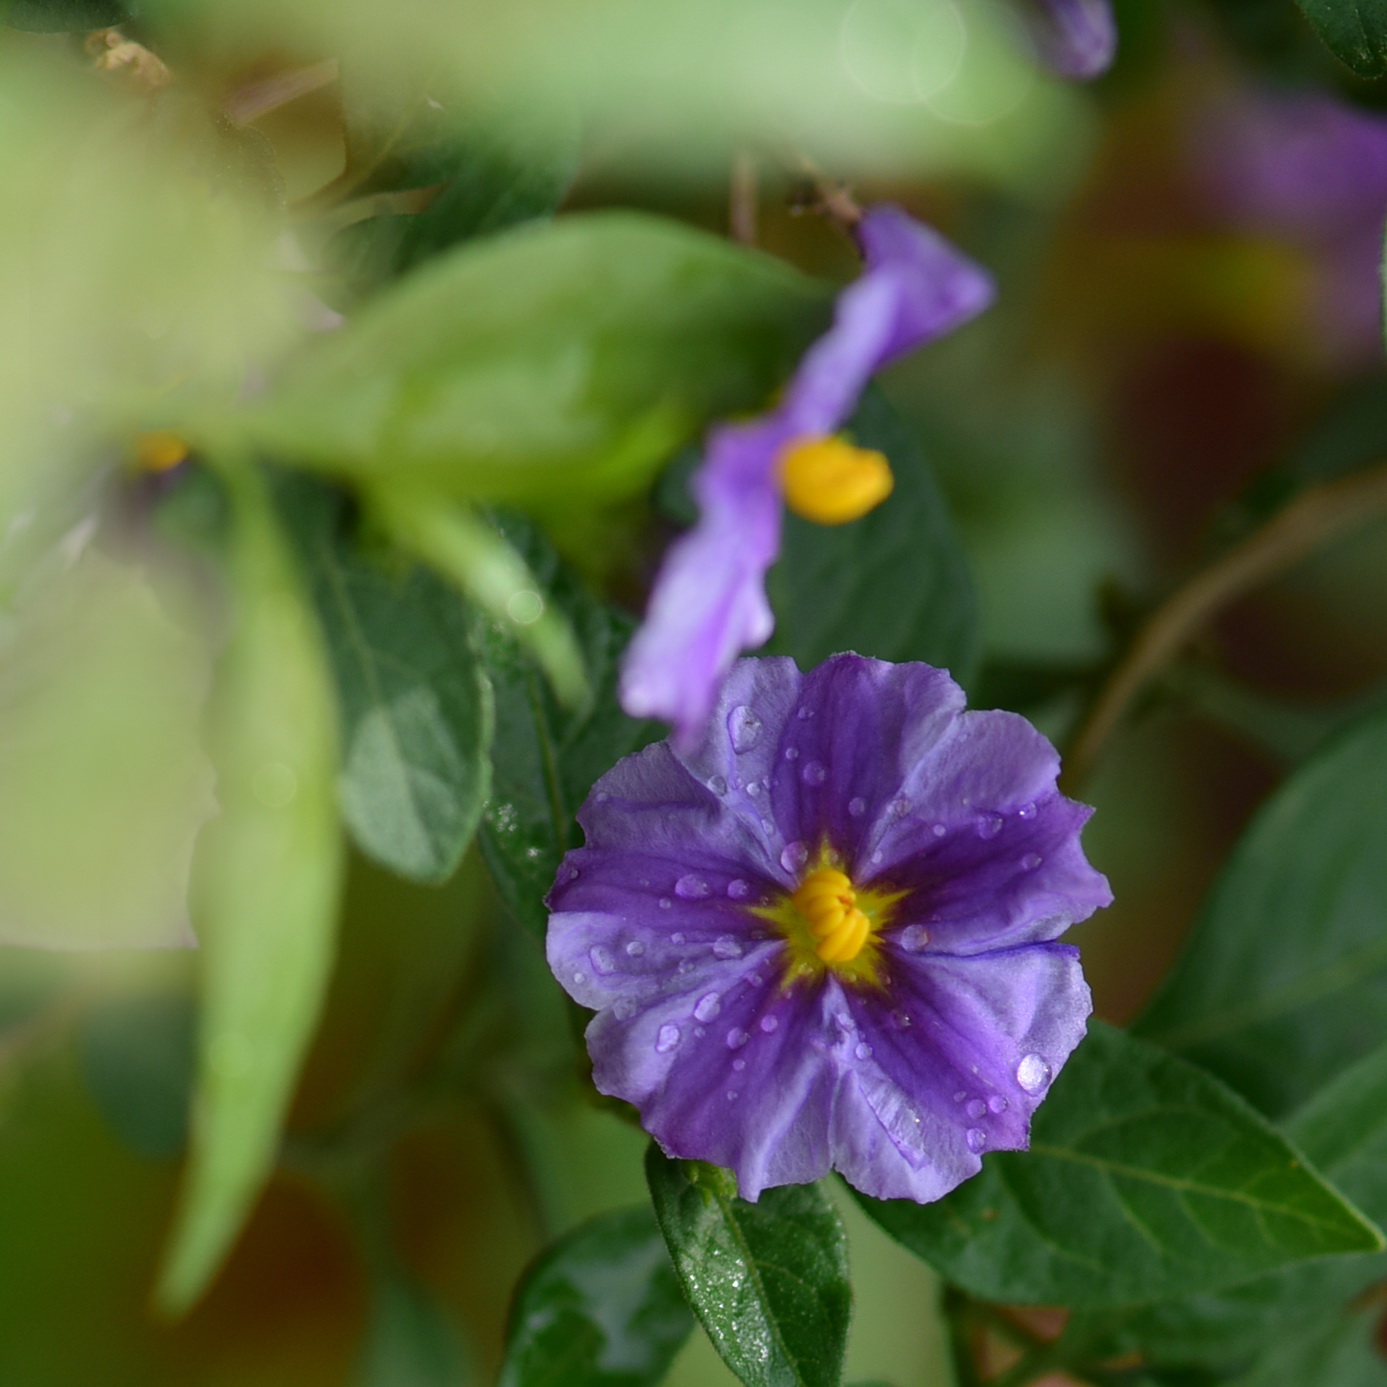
1146, 1178
415, 705
64, 16
411, 1340
1284, 980
894, 585
602, 1308
545, 758
561, 360
1355, 31
265, 892
768, 1281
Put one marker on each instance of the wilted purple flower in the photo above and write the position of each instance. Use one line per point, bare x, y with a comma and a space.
824, 938
1077, 38
709, 601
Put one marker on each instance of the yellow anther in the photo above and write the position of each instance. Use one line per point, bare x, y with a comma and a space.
159, 451
830, 482
825, 899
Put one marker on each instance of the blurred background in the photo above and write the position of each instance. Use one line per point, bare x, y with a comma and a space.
1187, 332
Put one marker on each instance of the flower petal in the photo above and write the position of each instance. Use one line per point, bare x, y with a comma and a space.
1075, 38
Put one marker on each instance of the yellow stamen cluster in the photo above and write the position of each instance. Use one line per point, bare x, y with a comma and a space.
828, 902
831, 482
159, 451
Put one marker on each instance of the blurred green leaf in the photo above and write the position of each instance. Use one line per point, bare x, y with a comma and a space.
545, 758
265, 889
137, 1058
894, 585
1284, 981
768, 1281
602, 1308
1145, 1178
1355, 31
411, 1340
415, 705
562, 360
64, 16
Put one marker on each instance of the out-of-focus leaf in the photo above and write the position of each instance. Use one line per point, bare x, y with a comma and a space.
602, 1308
415, 706
411, 1341
1355, 31
64, 16
1284, 980
768, 1281
265, 889
1145, 1178
567, 359
545, 758
894, 585
103, 780
137, 1059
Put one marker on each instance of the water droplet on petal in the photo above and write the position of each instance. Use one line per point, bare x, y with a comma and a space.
707, 1007
976, 1139
699, 1032
900, 1020
601, 796
769, 1023
878, 857
1031, 861
857, 806
757, 980
804, 713
863, 1051
960, 1095
754, 788
813, 773
1027, 811
724, 946
602, 959
914, 938
792, 753
635, 948
676, 938
975, 1107
739, 1065
580, 977
794, 856
731, 1095
744, 727
989, 825
624, 1010
736, 1038
718, 785
1032, 1073
667, 1038
692, 888
939, 830
997, 1104
900, 806
738, 889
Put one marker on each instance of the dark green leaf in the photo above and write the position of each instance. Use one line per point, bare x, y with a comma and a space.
411, 1341
602, 1308
895, 584
1355, 31
265, 889
560, 360
415, 705
137, 1059
64, 16
1284, 981
768, 1281
545, 758
1145, 1178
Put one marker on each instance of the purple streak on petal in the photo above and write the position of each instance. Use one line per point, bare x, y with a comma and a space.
1075, 38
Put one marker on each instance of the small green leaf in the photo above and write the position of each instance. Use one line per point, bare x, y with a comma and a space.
545, 758
560, 361
265, 890
602, 1308
1355, 31
768, 1281
415, 705
894, 585
411, 1340
1284, 980
1145, 1178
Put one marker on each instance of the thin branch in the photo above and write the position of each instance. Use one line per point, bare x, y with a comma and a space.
1317, 515
742, 199
829, 197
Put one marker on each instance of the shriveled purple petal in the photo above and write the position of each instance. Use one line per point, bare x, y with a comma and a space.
1076, 38
709, 601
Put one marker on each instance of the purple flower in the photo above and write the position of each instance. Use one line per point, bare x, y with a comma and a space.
824, 937
1076, 38
709, 601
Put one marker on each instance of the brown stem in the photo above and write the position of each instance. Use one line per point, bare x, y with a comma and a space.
742, 199
832, 199
1312, 518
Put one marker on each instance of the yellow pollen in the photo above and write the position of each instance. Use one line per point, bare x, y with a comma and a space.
830, 482
159, 451
825, 899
